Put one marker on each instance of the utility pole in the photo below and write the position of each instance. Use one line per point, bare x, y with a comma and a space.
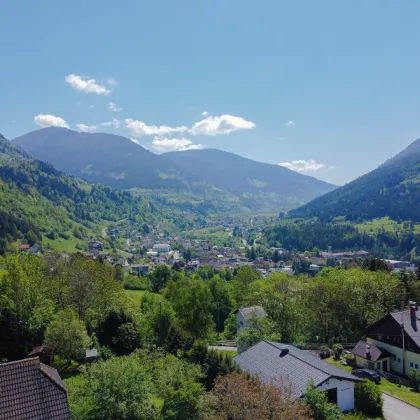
403, 344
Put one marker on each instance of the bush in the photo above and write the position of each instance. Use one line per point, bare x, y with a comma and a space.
414, 377
324, 352
338, 349
137, 283
368, 399
319, 405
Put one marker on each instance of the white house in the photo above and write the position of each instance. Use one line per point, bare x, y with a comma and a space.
397, 337
162, 248
277, 363
244, 316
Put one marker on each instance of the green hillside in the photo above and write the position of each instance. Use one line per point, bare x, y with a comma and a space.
258, 185
39, 204
392, 190
209, 176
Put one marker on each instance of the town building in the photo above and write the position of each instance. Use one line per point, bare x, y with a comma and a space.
162, 248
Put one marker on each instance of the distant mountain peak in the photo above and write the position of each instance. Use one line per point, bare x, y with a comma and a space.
105, 155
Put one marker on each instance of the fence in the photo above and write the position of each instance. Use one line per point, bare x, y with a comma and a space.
317, 346
394, 378
226, 343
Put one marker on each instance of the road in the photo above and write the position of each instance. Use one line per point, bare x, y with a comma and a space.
397, 410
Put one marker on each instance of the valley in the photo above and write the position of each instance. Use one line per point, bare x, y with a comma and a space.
209, 210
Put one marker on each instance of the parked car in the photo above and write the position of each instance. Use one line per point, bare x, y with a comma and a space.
367, 374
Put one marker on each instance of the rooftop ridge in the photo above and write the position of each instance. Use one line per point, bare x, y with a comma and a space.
334, 368
15, 362
45, 371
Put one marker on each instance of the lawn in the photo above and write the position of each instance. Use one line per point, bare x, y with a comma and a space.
61, 244
403, 393
135, 295
389, 226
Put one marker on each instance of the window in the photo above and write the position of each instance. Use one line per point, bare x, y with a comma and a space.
416, 366
411, 364
398, 360
378, 365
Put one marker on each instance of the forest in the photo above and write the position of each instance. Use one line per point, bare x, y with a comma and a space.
306, 235
160, 344
389, 190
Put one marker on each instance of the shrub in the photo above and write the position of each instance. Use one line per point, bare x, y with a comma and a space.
64, 235
338, 349
137, 283
324, 352
319, 405
414, 377
235, 397
368, 399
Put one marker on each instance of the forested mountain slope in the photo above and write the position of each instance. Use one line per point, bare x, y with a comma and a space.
243, 184
37, 200
393, 189
104, 158
235, 173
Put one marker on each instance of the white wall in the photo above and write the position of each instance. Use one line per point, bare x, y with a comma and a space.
345, 392
396, 351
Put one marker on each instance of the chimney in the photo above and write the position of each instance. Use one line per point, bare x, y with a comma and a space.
413, 310
368, 356
283, 351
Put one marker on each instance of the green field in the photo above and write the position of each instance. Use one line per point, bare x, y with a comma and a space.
135, 295
61, 244
385, 223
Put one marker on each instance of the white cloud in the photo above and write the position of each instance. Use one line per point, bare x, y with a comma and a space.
309, 165
47, 120
174, 145
139, 128
289, 123
111, 82
210, 126
86, 128
224, 124
205, 114
114, 123
92, 106
86, 85
113, 107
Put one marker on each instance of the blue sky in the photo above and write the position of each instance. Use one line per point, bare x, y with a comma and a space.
327, 87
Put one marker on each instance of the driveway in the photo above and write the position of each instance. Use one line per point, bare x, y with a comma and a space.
397, 410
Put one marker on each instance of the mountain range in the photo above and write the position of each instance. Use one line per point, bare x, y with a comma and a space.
119, 162
390, 190
40, 204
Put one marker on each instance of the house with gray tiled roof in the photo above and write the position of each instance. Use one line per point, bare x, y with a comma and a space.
31, 390
283, 364
244, 316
